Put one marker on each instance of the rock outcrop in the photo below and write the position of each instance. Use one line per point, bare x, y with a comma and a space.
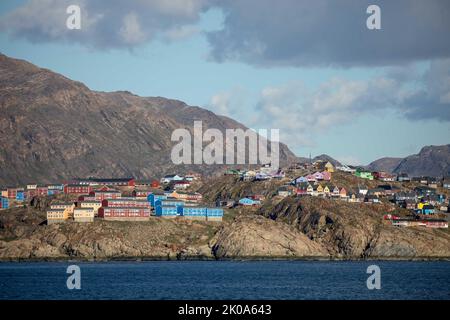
252, 236
358, 231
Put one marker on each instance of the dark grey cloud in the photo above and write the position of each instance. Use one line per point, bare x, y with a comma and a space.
259, 32
331, 33
303, 112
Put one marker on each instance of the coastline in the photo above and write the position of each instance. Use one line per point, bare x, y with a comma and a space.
243, 259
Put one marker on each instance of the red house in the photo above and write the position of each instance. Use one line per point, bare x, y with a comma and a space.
102, 195
125, 202
77, 189
12, 193
41, 191
124, 213
155, 184
141, 193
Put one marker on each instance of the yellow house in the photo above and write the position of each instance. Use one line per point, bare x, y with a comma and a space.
329, 167
83, 214
94, 204
420, 205
68, 207
5, 193
326, 190
320, 189
56, 215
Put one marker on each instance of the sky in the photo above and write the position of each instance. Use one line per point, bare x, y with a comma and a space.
311, 69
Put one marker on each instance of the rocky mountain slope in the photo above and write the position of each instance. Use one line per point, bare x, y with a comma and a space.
387, 164
53, 128
430, 161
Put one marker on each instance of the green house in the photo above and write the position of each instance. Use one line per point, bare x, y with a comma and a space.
364, 174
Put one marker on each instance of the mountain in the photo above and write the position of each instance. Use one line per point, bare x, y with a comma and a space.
430, 161
53, 128
325, 157
386, 164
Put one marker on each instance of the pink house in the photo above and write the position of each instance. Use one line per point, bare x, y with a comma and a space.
343, 193
311, 178
326, 176
318, 176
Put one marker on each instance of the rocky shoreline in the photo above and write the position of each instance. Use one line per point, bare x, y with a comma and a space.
310, 229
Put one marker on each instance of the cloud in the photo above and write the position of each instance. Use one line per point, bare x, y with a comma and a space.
331, 33
230, 103
104, 24
302, 113
259, 32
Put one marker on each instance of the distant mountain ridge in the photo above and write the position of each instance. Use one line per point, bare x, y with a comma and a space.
430, 161
53, 128
387, 164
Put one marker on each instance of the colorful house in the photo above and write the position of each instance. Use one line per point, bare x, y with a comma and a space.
56, 215
329, 167
249, 202
364, 174
95, 204
326, 175
102, 195
4, 203
124, 213
335, 192
20, 195
153, 197
302, 189
171, 177
77, 189
318, 176
166, 212
343, 193
85, 214
214, 214
299, 180
169, 203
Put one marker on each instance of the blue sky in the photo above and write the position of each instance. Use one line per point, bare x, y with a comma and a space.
376, 104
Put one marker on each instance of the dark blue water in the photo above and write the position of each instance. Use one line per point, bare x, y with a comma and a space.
226, 280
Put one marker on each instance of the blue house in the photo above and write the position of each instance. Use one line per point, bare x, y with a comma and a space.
248, 202
169, 203
4, 203
20, 195
153, 197
162, 211
214, 212
428, 209
193, 211
299, 180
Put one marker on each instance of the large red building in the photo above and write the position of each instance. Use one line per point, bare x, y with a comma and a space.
77, 189
124, 213
119, 182
126, 202
102, 195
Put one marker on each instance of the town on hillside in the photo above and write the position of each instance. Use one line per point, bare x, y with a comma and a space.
414, 201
